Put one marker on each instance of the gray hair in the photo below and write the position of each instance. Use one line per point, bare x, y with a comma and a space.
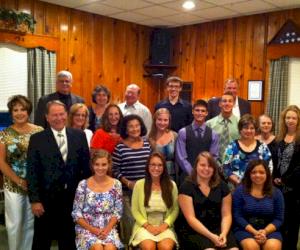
52, 103
64, 73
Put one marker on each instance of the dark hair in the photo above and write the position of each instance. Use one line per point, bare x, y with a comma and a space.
100, 153
124, 123
19, 99
105, 124
97, 90
52, 103
246, 181
174, 79
165, 182
200, 102
246, 120
227, 93
215, 179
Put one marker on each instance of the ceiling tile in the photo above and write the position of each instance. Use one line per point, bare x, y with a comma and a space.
183, 18
253, 6
156, 11
223, 2
126, 4
216, 13
157, 22
130, 16
158, 1
100, 9
285, 3
72, 3
177, 5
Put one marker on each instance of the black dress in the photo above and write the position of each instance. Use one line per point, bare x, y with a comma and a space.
208, 212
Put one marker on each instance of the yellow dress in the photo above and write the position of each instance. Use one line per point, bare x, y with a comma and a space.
156, 212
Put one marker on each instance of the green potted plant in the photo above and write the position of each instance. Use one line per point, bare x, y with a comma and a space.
17, 21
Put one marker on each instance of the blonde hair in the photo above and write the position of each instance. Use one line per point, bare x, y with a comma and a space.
101, 153
153, 131
74, 108
282, 125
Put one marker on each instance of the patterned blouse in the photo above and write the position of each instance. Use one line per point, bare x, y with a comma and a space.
236, 159
16, 145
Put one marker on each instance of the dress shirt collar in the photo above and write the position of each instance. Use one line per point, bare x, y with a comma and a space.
135, 105
195, 126
220, 118
63, 132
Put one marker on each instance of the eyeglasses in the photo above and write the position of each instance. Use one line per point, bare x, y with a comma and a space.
80, 115
174, 86
152, 165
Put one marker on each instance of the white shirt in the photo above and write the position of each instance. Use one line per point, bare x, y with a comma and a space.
236, 108
138, 109
89, 135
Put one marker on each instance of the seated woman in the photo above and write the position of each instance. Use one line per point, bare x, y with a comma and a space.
79, 118
258, 209
98, 207
205, 202
108, 136
154, 207
163, 139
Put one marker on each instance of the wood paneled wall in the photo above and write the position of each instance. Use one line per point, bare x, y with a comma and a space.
96, 49
209, 53
99, 49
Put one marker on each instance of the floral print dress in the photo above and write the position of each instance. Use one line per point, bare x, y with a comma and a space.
97, 208
16, 145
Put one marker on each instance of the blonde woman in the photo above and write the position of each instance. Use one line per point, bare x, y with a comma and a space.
79, 118
163, 139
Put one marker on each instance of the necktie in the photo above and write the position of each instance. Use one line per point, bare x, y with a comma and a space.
224, 138
62, 145
199, 132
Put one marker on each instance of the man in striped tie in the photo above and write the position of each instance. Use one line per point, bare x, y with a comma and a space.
58, 158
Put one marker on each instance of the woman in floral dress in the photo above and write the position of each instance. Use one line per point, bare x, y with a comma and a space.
13, 153
98, 207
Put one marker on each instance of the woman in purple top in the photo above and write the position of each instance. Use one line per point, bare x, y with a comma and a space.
258, 209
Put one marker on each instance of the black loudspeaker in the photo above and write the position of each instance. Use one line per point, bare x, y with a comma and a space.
160, 47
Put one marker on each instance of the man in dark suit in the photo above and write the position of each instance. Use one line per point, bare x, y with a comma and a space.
241, 106
63, 93
58, 158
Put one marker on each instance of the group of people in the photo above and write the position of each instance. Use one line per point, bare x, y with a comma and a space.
110, 176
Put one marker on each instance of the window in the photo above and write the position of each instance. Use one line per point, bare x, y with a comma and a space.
13, 72
294, 82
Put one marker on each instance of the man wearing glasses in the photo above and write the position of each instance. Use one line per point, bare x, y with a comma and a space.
181, 110
63, 93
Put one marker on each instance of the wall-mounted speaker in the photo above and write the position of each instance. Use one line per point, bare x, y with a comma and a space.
160, 47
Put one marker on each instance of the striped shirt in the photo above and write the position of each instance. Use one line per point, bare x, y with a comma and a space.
129, 162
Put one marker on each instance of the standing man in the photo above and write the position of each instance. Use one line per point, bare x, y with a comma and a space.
133, 106
194, 139
63, 93
58, 158
240, 105
181, 110
225, 124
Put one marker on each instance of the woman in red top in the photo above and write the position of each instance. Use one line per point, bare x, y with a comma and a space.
108, 135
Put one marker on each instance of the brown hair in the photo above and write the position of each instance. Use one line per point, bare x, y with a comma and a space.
153, 131
174, 79
19, 99
74, 108
282, 126
100, 153
215, 179
165, 182
246, 181
246, 120
52, 103
105, 124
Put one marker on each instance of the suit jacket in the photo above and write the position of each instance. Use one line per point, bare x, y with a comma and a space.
40, 112
48, 175
214, 109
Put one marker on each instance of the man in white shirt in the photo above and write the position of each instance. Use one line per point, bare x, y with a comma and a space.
133, 106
